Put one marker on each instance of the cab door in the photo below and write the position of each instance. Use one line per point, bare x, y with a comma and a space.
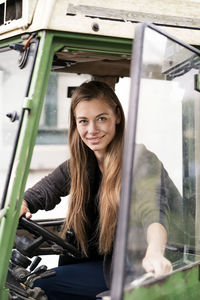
161, 167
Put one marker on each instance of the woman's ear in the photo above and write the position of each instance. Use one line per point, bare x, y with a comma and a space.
118, 114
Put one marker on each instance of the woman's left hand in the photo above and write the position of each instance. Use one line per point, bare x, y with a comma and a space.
154, 260
156, 263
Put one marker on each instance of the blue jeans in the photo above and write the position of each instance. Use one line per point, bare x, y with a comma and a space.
81, 281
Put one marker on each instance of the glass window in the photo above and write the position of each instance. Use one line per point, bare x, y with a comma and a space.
162, 145
14, 80
166, 159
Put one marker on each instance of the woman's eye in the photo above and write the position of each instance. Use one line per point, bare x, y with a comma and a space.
101, 119
82, 122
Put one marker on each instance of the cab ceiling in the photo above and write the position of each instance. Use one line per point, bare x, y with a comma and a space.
91, 63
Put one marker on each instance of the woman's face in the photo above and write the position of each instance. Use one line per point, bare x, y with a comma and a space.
96, 123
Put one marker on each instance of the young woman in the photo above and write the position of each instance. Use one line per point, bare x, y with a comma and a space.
92, 177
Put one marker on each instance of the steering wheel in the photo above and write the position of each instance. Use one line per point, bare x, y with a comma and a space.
32, 248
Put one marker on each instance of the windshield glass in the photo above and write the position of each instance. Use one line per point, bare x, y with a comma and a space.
13, 85
165, 180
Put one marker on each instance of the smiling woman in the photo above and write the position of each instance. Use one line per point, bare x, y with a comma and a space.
91, 100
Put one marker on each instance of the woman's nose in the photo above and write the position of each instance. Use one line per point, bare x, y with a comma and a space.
92, 128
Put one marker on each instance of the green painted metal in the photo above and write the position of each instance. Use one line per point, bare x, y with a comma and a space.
6, 42
23, 153
50, 42
92, 43
183, 284
3, 212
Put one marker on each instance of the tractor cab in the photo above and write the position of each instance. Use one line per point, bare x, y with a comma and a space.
46, 51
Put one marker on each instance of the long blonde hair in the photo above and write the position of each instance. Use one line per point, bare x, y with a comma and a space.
109, 193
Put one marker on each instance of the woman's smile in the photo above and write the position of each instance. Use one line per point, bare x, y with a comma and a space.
95, 140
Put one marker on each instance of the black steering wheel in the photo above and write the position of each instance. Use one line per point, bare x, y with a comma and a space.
32, 248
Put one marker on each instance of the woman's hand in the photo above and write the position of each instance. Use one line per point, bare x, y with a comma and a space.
154, 260
25, 210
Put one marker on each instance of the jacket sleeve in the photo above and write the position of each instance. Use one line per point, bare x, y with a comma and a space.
155, 196
150, 199
47, 193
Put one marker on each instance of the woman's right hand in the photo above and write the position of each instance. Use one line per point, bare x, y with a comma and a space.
25, 210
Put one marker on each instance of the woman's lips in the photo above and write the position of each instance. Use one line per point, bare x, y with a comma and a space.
95, 140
